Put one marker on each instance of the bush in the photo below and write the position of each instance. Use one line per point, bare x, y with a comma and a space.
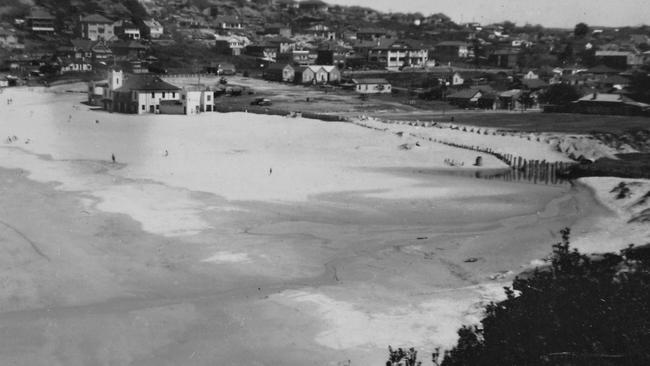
580, 310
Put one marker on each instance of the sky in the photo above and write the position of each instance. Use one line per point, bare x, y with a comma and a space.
549, 13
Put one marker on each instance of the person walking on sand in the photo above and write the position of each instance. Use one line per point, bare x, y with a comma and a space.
166, 153
113, 157
270, 171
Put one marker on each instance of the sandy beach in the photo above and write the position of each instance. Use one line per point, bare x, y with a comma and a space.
257, 240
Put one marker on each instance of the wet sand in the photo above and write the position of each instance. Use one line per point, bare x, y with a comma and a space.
112, 264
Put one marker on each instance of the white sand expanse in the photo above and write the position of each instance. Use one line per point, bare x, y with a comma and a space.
206, 255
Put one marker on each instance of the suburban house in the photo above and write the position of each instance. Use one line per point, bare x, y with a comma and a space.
283, 44
371, 34
40, 21
505, 58
230, 45
372, 86
137, 94
510, 99
227, 23
313, 6
452, 50
127, 30
298, 57
619, 59
263, 51
394, 54
154, 28
280, 72
97, 27
482, 97
128, 50
68, 66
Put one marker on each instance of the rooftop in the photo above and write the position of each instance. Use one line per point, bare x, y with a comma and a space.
370, 81
145, 83
96, 18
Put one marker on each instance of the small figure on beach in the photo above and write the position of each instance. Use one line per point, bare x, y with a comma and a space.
113, 157
96, 121
28, 141
69, 118
270, 171
166, 153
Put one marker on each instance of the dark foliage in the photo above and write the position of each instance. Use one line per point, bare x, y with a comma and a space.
580, 310
559, 94
581, 30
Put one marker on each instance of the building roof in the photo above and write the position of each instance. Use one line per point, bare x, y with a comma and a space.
609, 98
467, 93
277, 66
145, 83
370, 81
313, 2
512, 93
453, 43
616, 80
534, 83
38, 13
134, 45
602, 69
82, 44
96, 18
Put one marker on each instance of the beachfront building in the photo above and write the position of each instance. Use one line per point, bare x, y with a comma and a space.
372, 86
137, 94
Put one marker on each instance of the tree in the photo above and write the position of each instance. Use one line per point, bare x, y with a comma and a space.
581, 30
559, 94
580, 310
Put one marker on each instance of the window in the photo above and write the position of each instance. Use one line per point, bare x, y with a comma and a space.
153, 95
143, 107
163, 94
209, 97
183, 97
173, 94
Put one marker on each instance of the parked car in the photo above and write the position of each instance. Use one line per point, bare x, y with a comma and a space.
261, 102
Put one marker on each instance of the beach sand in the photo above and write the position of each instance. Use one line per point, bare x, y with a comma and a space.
205, 256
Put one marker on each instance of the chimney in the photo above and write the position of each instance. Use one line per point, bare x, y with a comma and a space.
594, 96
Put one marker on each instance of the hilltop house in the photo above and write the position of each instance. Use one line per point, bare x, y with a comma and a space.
40, 21
97, 27
372, 86
127, 30
286, 4
313, 6
154, 28
137, 94
230, 45
263, 51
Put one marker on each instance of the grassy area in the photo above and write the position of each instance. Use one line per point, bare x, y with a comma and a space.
553, 122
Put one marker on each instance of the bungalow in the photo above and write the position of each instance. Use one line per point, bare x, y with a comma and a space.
372, 86
127, 30
280, 72
154, 28
137, 94
466, 98
128, 50
230, 45
609, 104
40, 21
505, 58
97, 27
68, 66
298, 57
619, 59
511, 99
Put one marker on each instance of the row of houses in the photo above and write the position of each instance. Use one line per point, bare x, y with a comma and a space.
93, 26
313, 74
